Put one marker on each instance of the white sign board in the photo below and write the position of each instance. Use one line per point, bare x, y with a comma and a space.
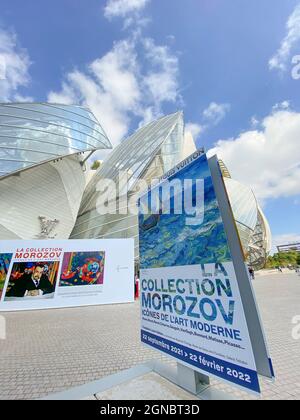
191, 303
59, 274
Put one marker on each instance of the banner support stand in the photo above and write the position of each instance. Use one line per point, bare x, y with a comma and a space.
188, 379
191, 380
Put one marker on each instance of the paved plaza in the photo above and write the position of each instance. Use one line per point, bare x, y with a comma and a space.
50, 351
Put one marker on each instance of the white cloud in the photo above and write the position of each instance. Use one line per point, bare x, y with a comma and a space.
281, 105
109, 87
195, 129
211, 117
117, 73
215, 113
15, 64
268, 160
254, 122
117, 88
281, 57
21, 98
161, 80
123, 8
135, 79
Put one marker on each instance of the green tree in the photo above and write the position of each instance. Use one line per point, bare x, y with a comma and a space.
96, 165
283, 259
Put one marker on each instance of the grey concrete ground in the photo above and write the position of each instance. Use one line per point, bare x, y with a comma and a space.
50, 351
147, 387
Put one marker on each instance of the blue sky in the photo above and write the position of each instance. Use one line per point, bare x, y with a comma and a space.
226, 63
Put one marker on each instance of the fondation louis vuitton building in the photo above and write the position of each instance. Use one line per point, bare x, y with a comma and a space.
44, 150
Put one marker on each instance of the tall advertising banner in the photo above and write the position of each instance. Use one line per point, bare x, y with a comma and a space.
59, 274
191, 304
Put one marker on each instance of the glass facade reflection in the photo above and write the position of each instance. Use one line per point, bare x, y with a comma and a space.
147, 154
253, 227
32, 133
44, 145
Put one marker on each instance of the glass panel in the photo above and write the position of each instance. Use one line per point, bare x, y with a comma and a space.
34, 133
148, 153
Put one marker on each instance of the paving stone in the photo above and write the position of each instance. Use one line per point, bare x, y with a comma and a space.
50, 351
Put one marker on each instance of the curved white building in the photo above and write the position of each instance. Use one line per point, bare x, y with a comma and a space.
254, 230
43, 148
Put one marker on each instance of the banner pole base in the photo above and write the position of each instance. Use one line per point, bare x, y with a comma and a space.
191, 380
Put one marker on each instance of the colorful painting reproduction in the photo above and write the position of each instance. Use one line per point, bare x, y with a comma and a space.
82, 269
198, 244
32, 280
5, 260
